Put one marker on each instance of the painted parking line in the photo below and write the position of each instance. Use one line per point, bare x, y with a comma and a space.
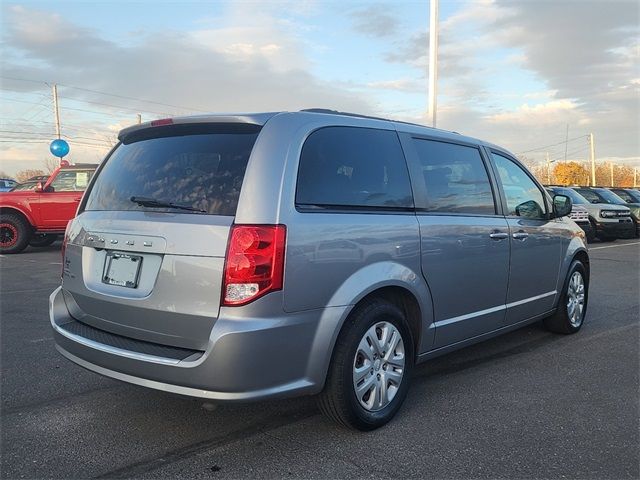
614, 246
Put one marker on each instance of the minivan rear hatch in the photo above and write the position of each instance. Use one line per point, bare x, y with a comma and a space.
145, 257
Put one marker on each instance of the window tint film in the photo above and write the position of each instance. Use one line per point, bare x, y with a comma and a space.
524, 198
455, 178
591, 195
610, 196
71, 180
629, 196
202, 170
353, 167
572, 194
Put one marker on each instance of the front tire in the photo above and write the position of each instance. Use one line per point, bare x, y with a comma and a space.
572, 306
369, 375
14, 233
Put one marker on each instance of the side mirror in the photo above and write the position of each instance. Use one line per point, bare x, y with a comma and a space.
561, 206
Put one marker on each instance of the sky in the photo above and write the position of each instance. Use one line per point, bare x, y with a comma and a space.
523, 74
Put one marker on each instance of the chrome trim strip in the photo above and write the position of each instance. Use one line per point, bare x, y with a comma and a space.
479, 313
114, 350
531, 299
467, 316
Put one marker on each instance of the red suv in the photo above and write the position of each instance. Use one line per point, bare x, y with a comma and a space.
37, 217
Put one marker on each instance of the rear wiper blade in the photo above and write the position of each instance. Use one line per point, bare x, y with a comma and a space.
153, 203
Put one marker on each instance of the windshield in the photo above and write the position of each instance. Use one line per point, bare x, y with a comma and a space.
591, 195
184, 169
629, 196
575, 197
610, 197
24, 186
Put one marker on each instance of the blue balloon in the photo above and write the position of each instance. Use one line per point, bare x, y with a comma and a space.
59, 147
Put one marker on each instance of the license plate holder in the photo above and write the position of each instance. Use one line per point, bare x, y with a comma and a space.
122, 269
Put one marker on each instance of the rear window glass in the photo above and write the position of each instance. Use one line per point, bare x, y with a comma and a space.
353, 167
201, 168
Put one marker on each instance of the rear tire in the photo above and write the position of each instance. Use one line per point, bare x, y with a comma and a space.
572, 306
42, 239
14, 233
381, 371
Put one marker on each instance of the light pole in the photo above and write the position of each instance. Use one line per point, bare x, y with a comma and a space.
593, 160
433, 60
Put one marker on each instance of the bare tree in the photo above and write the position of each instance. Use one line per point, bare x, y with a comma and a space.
50, 164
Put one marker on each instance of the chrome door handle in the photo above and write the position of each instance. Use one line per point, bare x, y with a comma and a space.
498, 236
520, 235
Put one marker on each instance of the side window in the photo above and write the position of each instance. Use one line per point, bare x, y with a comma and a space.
71, 181
455, 178
353, 167
524, 198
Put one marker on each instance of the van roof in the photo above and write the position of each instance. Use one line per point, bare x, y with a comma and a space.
261, 118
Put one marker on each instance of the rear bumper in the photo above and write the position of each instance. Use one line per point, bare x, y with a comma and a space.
246, 359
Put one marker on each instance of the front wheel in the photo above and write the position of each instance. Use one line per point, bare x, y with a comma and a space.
42, 239
14, 233
572, 306
370, 370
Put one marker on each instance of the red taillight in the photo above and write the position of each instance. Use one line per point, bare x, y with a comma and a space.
162, 121
255, 262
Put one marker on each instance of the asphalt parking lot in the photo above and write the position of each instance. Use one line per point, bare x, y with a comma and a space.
529, 404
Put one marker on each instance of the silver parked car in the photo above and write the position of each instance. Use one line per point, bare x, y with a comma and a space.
243, 257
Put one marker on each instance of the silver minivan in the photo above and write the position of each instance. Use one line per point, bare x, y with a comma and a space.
254, 256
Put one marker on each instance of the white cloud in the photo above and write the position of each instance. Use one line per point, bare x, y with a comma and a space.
252, 64
537, 114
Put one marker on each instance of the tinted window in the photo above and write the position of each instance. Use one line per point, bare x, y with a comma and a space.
629, 196
71, 180
572, 194
610, 197
591, 195
455, 178
202, 170
524, 198
347, 166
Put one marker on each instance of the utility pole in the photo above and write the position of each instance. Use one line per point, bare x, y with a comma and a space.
139, 116
611, 166
433, 60
548, 170
593, 160
566, 143
635, 177
56, 110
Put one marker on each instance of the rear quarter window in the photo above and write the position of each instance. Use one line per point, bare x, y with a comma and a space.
200, 167
353, 167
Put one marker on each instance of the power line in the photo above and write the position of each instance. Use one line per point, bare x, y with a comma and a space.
562, 156
127, 109
108, 94
553, 145
47, 137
